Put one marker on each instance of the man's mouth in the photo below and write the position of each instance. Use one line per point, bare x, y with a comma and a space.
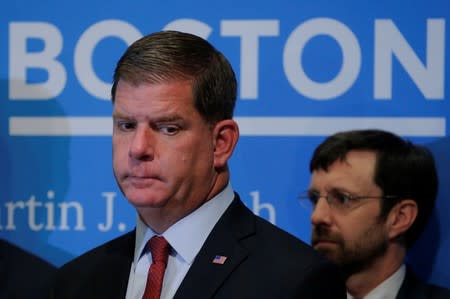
323, 242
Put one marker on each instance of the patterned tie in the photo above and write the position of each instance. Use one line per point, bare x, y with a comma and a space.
159, 248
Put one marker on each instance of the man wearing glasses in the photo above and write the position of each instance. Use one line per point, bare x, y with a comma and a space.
372, 194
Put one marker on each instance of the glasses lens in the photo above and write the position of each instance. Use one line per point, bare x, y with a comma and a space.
341, 200
307, 201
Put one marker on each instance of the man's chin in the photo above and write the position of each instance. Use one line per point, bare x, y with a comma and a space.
329, 251
145, 200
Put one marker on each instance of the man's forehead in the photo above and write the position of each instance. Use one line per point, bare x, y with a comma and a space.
356, 167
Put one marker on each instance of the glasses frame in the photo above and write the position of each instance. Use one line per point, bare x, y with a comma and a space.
344, 206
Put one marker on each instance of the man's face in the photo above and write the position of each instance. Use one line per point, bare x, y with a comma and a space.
163, 150
351, 237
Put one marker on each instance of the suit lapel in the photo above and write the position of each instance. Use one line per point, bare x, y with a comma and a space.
113, 270
111, 282
411, 287
224, 240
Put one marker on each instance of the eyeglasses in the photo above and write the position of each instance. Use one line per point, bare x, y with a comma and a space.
338, 199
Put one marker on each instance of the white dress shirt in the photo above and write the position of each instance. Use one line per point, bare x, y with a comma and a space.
186, 237
389, 288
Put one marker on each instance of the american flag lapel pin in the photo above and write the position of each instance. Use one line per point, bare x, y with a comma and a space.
219, 259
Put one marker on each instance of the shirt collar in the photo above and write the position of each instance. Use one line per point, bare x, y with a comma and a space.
188, 234
389, 288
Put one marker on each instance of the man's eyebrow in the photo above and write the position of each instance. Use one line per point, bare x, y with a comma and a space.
117, 114
168, 118
162, 119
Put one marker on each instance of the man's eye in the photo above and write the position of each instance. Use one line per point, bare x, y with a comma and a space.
169, 130
313, 197
126, 125
342, 198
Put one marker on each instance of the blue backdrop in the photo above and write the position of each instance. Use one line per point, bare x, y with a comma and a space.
306, 69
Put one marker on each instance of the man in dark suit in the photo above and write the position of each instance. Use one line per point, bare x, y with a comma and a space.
22, 274
372, 194
174, 96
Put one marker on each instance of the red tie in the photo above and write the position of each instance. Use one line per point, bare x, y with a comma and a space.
159, 248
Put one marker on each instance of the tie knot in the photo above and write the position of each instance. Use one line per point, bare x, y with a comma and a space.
159, 248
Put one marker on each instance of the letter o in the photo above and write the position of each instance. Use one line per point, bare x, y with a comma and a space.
350, 65
85, 47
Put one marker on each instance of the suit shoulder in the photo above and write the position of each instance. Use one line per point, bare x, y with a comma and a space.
413, 287
120, 246
17, 256
96, 271
286, 244
17, 283
284, 254
437, 292
267, 239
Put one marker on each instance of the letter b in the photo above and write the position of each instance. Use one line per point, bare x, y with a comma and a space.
21, 60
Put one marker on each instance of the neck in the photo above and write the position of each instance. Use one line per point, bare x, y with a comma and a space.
361, 283
161, 218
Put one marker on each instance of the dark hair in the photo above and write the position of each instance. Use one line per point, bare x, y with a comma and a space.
402, 169
173, 55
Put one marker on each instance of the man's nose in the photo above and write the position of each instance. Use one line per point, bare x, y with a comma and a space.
321, 212
142, 144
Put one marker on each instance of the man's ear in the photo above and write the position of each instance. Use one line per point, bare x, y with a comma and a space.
401, 217
226, 135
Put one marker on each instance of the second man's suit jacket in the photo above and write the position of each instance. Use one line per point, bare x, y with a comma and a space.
413, 288
22, 274
263, 261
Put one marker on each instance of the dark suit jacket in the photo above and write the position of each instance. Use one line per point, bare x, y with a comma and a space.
23, 275
262, 262
413, 288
